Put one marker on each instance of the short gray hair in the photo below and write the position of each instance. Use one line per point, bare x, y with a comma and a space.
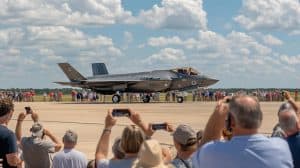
288, 120
70, 137
246, 111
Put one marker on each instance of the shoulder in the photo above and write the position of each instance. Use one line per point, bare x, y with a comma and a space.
78, 154
103, 163
214, 146
58, 155
210, 150
6, 133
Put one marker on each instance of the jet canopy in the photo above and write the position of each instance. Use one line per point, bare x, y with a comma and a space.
186, 71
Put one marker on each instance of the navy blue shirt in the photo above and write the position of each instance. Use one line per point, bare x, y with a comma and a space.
294, 143
8, 144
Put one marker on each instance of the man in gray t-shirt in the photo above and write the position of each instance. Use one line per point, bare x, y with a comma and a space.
36, 150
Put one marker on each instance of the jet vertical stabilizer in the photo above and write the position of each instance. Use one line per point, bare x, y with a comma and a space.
71, 72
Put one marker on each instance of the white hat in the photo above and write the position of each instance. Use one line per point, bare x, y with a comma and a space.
150, 155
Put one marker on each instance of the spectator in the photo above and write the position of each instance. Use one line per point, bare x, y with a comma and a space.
8, 141
289, 122
35, 148
247, 148
131, 140
150, 155
69, 157
117, 150
277, 130
185, 141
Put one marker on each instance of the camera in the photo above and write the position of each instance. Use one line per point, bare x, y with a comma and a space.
159, 126
28, 110
228, 123
121, 113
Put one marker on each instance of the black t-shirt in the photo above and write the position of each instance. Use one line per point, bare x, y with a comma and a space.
294, 143
8, 144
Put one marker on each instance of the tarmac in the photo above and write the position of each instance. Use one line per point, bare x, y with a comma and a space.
88, 119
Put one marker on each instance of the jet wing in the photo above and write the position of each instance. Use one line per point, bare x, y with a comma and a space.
76, 84
107, 82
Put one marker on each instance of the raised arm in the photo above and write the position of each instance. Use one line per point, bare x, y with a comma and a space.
18, 130
215, 124
137, 120
103, 144
54, 139
289, 98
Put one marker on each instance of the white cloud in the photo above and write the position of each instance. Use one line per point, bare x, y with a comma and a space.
291, 60
175, 14
128, 38
53, 12
271, 40
38, 48
271, 14
167, 55
232, 55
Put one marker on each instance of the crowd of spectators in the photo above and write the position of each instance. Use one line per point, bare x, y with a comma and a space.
18, 96
229, 139
91, 96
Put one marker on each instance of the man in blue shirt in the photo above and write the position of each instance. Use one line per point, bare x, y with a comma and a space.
247, 148
8, 142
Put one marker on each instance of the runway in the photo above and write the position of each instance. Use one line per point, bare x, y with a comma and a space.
88, 119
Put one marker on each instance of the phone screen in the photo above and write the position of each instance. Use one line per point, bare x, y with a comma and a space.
228, 122
28, 110
159, 126
120, 113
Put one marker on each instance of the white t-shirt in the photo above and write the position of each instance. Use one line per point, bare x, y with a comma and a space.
69, 158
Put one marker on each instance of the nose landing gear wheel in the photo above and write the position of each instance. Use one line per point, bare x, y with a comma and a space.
146, 99
116, 98
179, 99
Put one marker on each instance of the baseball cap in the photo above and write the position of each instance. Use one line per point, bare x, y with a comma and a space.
183, 134
70, 136
150, 155
37, 130
285, 107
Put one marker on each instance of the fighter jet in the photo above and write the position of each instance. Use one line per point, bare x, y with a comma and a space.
179, 79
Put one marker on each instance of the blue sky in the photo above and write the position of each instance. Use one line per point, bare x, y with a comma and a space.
244, 43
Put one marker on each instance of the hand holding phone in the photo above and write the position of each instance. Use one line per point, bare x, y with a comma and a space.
28, 110
120, 113
162, 126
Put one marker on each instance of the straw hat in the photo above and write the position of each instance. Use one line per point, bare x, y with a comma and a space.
150, 155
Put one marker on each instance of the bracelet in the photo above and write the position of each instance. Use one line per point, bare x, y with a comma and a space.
106, 130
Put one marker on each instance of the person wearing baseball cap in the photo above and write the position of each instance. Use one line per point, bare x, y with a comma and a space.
70, 157
185, 141
36, 150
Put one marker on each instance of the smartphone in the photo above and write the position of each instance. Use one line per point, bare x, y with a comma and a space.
121, 113
159, 126
228, 122
28, 110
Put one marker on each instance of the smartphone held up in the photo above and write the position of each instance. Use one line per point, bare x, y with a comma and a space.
120, 113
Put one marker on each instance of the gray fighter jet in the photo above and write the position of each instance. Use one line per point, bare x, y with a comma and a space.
179, 79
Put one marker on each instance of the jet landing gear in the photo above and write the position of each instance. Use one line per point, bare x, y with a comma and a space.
116, 98
146, 98
179, 99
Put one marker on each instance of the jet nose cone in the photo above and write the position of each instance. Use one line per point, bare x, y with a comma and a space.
212, 81
207, 81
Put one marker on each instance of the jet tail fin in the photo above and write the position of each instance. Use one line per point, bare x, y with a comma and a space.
71, 72
99, 69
